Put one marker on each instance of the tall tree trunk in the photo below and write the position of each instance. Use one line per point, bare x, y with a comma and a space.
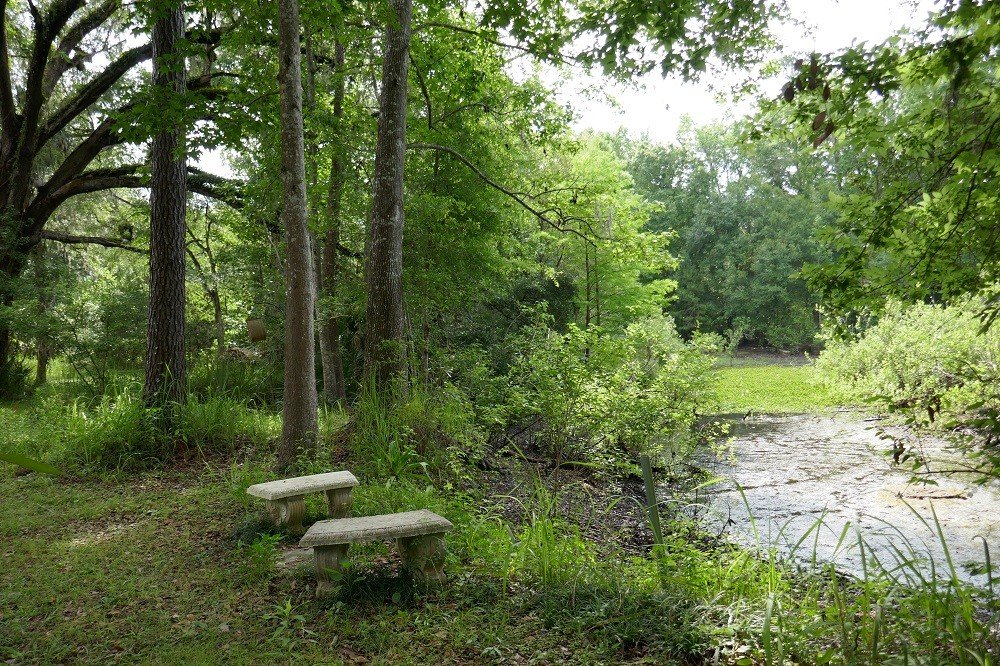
165, 378
333, 364
384, 315
12, 264
300, 425
6, 347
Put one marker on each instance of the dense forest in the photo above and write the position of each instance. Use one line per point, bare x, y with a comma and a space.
245, 242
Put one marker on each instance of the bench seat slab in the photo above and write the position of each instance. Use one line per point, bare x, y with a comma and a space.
375, 528
303, 485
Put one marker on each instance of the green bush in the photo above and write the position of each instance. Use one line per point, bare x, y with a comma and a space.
928, 361
14, 379
598, 395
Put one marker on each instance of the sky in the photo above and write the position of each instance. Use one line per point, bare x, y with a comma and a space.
657, 108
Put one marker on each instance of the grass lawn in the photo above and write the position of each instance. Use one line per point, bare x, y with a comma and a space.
179, 568
771, 389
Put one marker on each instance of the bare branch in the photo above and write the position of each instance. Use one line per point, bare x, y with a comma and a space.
424, 92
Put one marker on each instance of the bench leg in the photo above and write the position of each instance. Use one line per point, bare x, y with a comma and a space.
424, 556
339, 502
329, 563
288, 511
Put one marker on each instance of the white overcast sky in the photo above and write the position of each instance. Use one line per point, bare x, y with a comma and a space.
656, 109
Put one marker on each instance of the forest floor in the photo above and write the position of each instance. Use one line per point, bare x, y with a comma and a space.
179, 566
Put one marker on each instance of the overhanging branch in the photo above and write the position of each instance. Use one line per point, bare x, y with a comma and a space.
93, 91
70, 239
64, 58
520, 199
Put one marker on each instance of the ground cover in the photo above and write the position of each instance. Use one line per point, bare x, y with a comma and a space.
546, 565
764, 387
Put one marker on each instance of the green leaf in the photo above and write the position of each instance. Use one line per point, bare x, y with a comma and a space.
29, 463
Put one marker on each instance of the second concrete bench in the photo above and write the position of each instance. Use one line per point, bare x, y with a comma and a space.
419, 535
286, 498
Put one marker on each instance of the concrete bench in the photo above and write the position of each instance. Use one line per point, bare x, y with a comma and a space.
419, 535
286, 498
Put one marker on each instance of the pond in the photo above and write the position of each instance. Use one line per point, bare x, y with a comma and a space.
815, 487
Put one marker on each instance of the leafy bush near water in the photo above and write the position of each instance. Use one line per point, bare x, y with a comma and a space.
598, 396
928, 361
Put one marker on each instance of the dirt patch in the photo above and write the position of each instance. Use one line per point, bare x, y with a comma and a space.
606, 509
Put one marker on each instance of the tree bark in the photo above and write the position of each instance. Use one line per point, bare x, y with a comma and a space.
334, 391
300, 425
6, 348
12, 265
384, 352
165, 370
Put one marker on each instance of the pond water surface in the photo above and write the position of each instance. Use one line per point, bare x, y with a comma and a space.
817, 485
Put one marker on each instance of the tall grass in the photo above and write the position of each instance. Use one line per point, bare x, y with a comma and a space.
118, 432
548, 549
408, 438
905, 608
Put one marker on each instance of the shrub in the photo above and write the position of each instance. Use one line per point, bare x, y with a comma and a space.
597, 395
14, 379
926, 361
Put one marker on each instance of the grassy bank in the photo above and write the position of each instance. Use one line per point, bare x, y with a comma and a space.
180, 565
178, 568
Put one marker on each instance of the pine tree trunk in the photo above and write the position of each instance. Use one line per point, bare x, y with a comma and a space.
165, 378
384, 316
6, 349
300, 425
333, 364
11, 266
